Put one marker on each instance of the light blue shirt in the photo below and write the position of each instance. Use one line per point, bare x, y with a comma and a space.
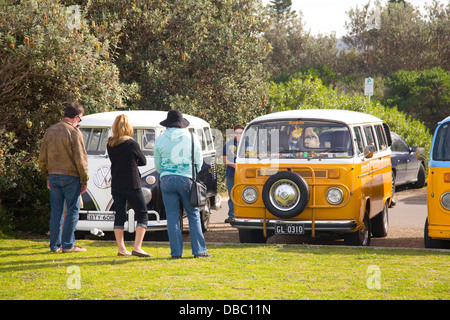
172, 153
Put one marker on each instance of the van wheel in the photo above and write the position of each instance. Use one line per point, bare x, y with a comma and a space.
251, 236
360, 237
205, 214
285, 194
393, 183
380, 223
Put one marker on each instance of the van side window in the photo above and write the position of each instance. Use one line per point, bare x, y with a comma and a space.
201, 138
208, 138
359, 140
382, 144
146, 140
95, 140
369, 136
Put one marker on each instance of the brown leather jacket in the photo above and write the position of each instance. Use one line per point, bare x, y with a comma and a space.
62, 152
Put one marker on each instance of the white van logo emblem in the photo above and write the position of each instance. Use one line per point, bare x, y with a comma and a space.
102, 177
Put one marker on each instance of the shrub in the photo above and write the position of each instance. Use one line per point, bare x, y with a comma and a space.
43, 65
424, 94
312, 94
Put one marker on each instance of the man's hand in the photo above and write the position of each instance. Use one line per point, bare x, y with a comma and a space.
83, 189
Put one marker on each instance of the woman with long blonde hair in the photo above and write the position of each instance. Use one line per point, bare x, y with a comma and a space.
126, 156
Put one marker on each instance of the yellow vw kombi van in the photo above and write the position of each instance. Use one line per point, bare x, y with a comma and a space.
313, 171
437, 224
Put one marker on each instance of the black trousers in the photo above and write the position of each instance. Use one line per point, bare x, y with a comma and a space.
137, 202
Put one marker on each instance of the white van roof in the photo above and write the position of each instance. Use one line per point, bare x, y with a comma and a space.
345, 116
138, 119
444, 120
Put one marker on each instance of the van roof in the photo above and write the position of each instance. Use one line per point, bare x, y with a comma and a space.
444, 120
138, 118
345, 116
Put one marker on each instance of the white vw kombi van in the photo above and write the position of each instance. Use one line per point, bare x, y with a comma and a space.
98, 205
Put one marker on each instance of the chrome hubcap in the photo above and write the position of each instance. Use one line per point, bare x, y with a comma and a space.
284, 195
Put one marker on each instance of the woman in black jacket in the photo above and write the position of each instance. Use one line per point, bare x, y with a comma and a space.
126, 156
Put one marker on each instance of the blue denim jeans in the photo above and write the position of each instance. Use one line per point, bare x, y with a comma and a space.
230, 185
63, 188
176, 188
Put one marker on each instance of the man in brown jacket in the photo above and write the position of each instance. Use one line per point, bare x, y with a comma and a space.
63, 160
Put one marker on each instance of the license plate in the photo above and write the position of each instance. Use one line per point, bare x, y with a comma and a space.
289, 228
100, 217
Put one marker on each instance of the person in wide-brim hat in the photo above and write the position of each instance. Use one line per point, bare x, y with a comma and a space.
177, 153
175, 120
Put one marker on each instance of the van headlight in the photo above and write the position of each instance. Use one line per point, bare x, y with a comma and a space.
335, 195
249, 194
150, 180
147, 193
445, 200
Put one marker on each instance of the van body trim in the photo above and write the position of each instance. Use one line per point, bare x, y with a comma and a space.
319, 225
370, 172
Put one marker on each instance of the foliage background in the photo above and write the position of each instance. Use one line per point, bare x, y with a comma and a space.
226, 61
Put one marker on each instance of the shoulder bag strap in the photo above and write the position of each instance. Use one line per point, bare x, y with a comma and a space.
192, 153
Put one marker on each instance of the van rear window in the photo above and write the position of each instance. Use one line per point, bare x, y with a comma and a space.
296, 139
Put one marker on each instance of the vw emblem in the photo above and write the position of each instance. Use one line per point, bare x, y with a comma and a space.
102, 177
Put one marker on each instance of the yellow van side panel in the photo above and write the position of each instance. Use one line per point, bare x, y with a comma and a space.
438, 217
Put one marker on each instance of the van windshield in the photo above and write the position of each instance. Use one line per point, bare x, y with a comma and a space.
95, 140
296, 139
441, 151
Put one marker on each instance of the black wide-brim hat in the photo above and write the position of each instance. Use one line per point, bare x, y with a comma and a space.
175, 119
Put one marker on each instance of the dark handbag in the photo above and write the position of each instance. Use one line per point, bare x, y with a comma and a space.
198, 189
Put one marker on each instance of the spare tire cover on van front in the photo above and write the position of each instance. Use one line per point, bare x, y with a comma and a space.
285, 194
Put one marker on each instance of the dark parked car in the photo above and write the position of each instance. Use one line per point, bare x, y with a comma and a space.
406, 169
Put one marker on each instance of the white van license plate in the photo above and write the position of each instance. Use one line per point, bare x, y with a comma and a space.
289, 228
100, 217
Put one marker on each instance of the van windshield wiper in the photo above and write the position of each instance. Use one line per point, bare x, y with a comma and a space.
335, 150
288, 151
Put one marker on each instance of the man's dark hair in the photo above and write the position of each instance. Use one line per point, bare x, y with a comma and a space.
73, 109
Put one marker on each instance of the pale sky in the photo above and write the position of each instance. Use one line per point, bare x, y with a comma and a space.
326, 16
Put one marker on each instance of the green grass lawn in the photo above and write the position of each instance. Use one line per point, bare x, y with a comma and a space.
234, 272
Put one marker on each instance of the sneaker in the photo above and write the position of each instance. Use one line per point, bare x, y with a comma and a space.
74, 249
56, 251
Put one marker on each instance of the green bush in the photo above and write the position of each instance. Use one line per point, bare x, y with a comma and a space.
312, 94
43, 65
423, 94
204, 58
24, 195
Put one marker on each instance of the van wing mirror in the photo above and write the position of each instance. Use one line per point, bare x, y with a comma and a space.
421, 154
368, 151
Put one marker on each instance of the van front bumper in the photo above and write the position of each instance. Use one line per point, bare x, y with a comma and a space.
439, 232
319, 225
108, 225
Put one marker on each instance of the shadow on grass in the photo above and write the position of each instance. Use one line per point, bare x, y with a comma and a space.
12, 258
